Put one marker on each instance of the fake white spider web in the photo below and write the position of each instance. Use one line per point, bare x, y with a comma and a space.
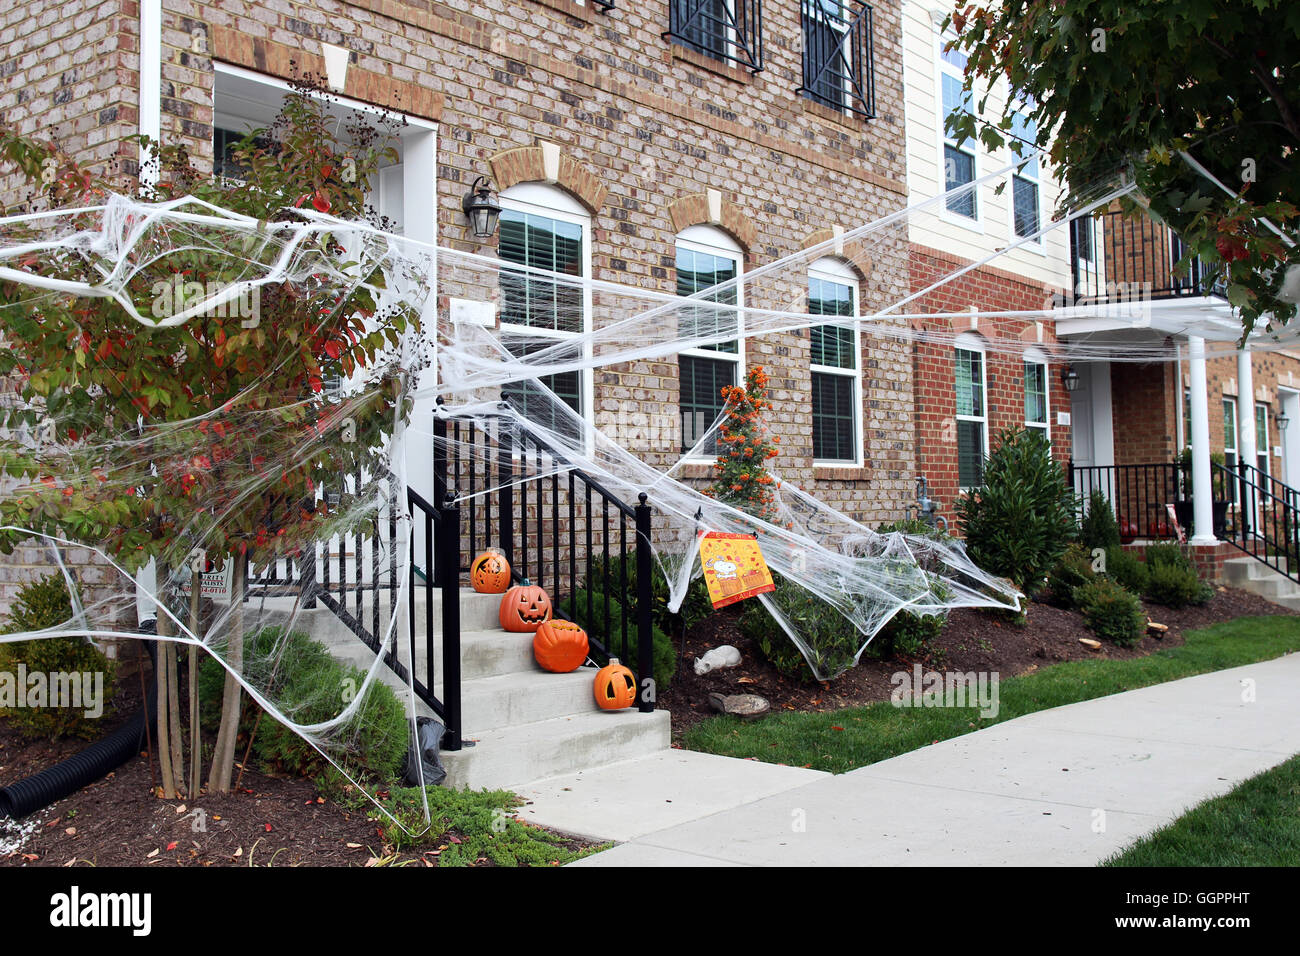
492, 343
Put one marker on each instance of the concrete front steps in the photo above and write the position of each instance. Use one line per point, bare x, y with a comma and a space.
526, 724
1259, 578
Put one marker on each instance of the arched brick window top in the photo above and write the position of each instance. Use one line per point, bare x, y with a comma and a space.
852, 252
711, 208
548, 163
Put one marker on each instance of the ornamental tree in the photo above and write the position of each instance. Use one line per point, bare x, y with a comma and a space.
744, 447
1132, 85
215, 433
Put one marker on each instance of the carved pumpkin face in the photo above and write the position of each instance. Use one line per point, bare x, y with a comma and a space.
615, 686
560, 646
490, 572
524, 608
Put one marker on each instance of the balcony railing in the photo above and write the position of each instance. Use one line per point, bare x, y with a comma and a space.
839, 55
1117, 257
723, 29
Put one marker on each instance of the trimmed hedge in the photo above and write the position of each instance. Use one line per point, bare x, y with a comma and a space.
38, 605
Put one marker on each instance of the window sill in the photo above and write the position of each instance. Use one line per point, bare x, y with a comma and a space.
722, 68
579, 11
826, 471
849, 121
697, 468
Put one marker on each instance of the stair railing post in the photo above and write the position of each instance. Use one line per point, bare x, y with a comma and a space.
439, 477
1242, 510
644, 622
449, 558
506, 491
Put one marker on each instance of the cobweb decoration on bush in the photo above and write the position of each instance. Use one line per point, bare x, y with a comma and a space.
303, 469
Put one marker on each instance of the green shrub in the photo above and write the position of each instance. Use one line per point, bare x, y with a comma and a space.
663, 653
1099, 529
908, 634
1019, 522
38, 605
1168, 554
695, 606
1127, 569
1072, 571
833, 642
1111, 612
1174, 585
310, 686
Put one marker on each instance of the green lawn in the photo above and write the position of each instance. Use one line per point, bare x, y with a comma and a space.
1255, 824
842, 740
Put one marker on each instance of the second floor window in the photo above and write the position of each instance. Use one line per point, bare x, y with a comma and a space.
1024, 182
958, 160
838, 56
723, 29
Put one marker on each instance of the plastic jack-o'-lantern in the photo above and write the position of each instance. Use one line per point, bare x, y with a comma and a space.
560, 646
525, 608
615, 686
490, 572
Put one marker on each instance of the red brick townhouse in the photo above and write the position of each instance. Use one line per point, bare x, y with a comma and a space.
975, 376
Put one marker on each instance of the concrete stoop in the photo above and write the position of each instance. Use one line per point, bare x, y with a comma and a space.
1259, 578
526, 724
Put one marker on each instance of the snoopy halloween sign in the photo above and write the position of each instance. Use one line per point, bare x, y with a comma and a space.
734, 568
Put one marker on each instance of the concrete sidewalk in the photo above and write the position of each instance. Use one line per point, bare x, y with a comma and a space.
1068, 786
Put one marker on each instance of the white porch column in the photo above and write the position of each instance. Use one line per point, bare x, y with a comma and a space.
1202, 492
1246, 450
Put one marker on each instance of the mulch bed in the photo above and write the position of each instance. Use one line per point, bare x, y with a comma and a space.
118, 821
972, 641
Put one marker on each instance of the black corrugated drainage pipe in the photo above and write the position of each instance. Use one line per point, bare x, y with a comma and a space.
103, 756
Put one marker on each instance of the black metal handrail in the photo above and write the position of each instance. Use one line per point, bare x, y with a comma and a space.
559, 527
1117, 257
352, 581
1268, 518
1139, 494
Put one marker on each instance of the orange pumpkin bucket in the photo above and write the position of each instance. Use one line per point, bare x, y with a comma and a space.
615, 686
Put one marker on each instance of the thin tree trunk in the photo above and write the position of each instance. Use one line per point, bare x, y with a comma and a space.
196, 737
161, 675
223, 758
174, 718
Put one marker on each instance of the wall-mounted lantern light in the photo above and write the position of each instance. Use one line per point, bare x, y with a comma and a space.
1070, 377
482, 209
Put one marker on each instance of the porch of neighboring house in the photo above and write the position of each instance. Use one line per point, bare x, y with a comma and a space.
1177, 458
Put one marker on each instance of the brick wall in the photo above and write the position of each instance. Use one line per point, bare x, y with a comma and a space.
986, 290
1144, 405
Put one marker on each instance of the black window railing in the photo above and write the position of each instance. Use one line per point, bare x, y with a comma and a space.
839, 56
730, 30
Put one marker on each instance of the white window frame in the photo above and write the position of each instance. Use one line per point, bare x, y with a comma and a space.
1033, 245
829, 269
1231, 453
942, 68
969, 342
1036, 357
1263, 451
552, 202
710, 240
